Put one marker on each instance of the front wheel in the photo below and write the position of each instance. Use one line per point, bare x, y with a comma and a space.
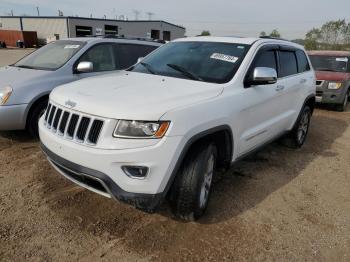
192, 186
297, 136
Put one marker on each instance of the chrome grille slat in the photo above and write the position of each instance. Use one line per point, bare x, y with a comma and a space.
73, 125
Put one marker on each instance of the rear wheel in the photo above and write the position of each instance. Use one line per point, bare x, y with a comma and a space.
297, 136
192, 187
33, 118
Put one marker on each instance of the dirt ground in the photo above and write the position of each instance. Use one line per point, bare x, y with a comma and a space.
280, 205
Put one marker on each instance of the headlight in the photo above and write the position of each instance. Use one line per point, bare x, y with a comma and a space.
140, 129
334, 85
5, 93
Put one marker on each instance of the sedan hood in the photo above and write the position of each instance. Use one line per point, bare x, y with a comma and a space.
332, 76
16, 77
128, 95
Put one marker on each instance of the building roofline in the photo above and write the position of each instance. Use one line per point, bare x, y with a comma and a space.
96, 19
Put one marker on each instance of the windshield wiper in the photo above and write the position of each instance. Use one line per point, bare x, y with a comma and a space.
148, 67
185, 72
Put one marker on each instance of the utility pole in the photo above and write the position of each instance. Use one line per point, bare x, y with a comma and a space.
136, 13
12, 12
150, 15
37, 9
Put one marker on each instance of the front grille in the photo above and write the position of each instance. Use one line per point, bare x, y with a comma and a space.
319, 93
319, 82
73, 125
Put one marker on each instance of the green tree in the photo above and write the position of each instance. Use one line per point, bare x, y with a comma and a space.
263, 33
205, 33
312, 38
275, 33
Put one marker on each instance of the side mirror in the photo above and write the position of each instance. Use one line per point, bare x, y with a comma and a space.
263, 76
85, 67
139, 60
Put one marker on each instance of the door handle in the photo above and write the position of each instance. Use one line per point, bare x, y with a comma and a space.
279, 88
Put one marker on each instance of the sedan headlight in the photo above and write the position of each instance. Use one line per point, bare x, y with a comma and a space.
5, 93
140, 129
334, 85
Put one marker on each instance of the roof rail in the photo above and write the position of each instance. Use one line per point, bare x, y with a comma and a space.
274, 38
131, 38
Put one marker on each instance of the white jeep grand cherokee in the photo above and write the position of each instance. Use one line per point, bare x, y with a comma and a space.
163, 128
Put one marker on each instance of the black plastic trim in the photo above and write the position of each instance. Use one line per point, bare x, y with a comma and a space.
145, 202
188, 145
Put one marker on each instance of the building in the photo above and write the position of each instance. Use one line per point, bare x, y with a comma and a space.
58, 27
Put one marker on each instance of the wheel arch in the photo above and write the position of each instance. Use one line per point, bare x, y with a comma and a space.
221, 135
33, 104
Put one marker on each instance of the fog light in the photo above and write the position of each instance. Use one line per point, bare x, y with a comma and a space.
138, 172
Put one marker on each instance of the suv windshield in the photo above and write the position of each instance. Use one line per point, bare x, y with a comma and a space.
51, 56
201, 61
329, 63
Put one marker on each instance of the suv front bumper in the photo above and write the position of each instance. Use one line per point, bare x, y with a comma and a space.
100, 170
328, 96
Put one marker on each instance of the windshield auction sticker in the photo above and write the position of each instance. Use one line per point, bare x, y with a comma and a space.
223, 57
342, 59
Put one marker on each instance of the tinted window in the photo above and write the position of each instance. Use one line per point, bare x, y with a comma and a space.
101, 56
201, 61
266, 59
330, 63
303, 63
288, 63
127, 54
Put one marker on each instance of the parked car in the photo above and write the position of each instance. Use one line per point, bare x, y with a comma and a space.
333, 77
25, 85
166, 126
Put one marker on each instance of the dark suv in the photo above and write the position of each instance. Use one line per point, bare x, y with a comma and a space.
333, 77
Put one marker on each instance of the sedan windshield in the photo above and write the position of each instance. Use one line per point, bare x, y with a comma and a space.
51, 56
200, 61
329, 63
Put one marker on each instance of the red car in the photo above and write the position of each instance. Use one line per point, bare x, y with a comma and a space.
333, 77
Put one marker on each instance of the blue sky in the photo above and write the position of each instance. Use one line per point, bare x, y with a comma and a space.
222, 17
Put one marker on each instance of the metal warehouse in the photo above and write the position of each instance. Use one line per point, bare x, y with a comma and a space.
57, 27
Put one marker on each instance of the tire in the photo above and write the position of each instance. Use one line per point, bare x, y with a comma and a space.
192, 186
296, 138
342, 107
33, 118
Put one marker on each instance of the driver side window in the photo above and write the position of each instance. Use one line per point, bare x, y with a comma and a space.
265, 58
101, 56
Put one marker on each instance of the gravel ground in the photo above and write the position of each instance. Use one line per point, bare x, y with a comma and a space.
279, 205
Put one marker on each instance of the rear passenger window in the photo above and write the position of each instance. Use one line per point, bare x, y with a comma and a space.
288, 63
127, 54
303, 63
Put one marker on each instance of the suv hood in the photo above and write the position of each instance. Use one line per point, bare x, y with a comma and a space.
135, 96
332, 76
15, 76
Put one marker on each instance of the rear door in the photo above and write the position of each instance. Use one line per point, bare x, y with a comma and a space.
292, 84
